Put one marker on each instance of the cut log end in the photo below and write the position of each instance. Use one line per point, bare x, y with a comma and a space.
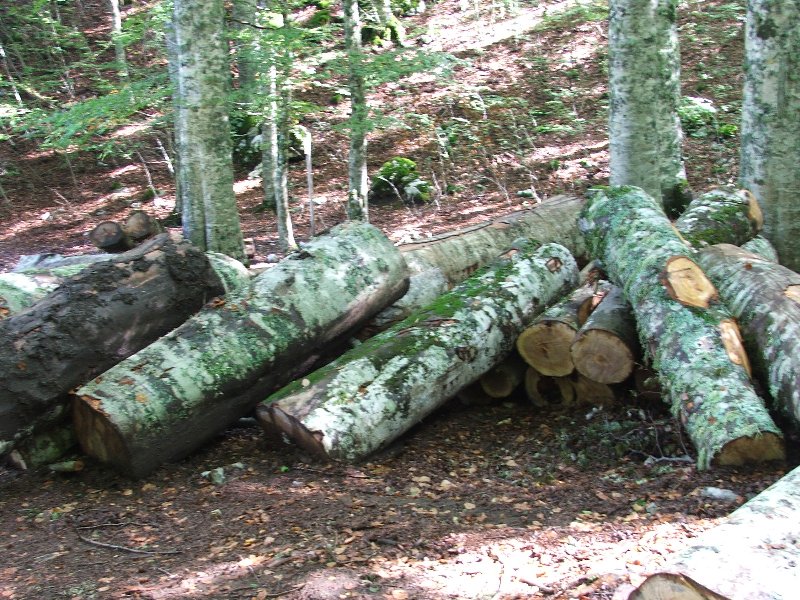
545, 347
539, 388
276, 422
602, 356
97, 436
734, 345
685, 282
111, 237
764, 447
673, 586
793, 293
502, 380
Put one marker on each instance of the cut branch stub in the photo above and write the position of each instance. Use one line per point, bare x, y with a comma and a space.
686, 282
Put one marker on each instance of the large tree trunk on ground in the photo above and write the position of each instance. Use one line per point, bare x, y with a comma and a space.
605, 348
765, 299
690, 337
376, 392
751, 555
721, 216
439, 263
91, 322
177, 393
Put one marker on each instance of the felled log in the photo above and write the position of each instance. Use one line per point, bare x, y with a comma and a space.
540, 389
765, 299
545, 344
721, 216
92, 321
691, 338
751, 555
605, 347
502, 379
180, 391
437, 264
140, 225
374, 393
45, 447
110, 237
761, 246
588, 391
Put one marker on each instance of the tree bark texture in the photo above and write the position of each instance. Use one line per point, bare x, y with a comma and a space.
439, 263
761, 246
691, 339
765, 299
751, 555
721, 216
91, 322
358, 182
201, 72
174, 395
770, 133
376, 392
644, 85
22, 289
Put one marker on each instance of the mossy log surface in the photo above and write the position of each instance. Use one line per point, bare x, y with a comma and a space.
765, 299
174, 395
379, 390
439, 263
91, 322
45, 447
605, 349
545, 344
751, 555
721, 216
694, 348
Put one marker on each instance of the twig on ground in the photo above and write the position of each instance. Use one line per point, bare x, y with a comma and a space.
125, 548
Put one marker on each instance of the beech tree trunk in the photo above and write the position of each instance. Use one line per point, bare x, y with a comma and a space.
765, 299
358, 182
688, 334
177, 393
439, 263
721, 216
374, 393
751, 555
96, 319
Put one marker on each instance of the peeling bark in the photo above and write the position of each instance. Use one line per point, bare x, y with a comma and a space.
376, 392
721, 216
710, 393
177, 393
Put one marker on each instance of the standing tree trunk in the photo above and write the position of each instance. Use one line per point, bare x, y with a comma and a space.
244, 21
116, 38
201, 72
770, 151
644, 128
358, 182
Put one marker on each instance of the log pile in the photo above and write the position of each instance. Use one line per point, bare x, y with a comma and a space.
111, 236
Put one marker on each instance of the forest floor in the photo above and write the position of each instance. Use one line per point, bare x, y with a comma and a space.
501, 501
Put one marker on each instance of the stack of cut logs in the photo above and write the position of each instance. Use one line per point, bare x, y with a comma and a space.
111, 236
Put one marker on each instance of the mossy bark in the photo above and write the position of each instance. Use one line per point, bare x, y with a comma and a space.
91, 322
45, 447
439, 263
770, 133
177, 393
752, 554
373, 394
691, 346
721, 216
765, 299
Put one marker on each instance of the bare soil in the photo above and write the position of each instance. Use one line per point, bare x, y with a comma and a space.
500, 501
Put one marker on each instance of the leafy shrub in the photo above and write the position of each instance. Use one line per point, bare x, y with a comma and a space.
399, 177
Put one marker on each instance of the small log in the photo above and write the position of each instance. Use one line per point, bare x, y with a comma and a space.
438, 263
540, 389
691, 338
111, 237
545, 344
605, 347
373, 394
45, 447
141, 225
501, 381
176, 394
592, 392
721, 216
473, 395
765, 299
91, 322
761, 246
753, 554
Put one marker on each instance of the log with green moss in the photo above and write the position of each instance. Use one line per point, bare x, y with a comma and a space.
721, 216
92, 321
180, 391
438, 263
545, 344
689, 335
375, 393
765, 299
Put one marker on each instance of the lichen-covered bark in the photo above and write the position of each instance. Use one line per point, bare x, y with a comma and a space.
169, 398
377, 391
438, 263
770, 134
751, 555
709, 392
721, 216
644, 86
764, 297
200, 68
761, 246
358, 183
91, 322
